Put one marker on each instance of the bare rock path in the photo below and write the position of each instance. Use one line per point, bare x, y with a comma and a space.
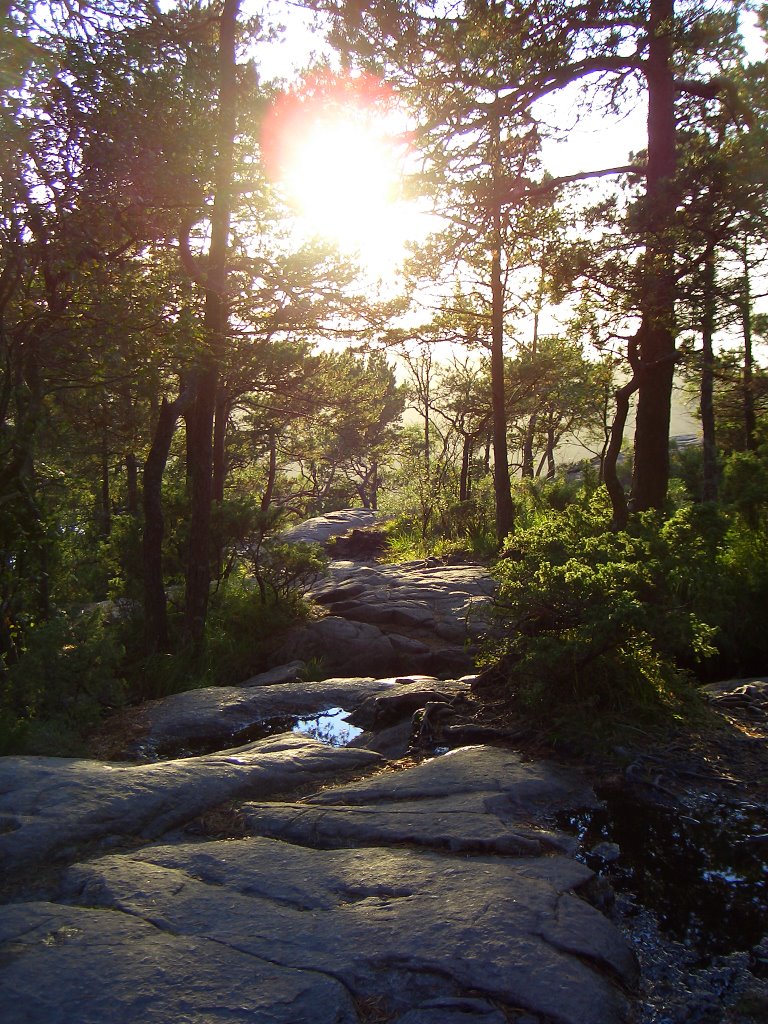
418, 616
283, 880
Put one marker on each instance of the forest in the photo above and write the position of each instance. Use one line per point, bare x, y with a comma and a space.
189, 365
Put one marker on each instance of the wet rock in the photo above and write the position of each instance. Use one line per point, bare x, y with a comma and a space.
223, 715
56, 805
407, 926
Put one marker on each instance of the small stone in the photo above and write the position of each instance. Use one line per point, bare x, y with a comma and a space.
606, 852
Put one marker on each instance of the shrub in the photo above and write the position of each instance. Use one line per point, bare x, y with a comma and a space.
67, 675
287, 569
601, 626
240, 633
466, 527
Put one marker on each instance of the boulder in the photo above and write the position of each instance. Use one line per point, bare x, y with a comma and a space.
451, 602
223, 716
321, 528
290, 673
50, 807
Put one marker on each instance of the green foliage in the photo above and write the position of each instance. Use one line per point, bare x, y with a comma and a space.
737, 600
288, 569
599, 624
67, 675
537, 498
745, 487
457, 528
240, 633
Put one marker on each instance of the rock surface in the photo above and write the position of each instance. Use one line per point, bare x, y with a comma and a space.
223, 715
72, 965
413, 932
450, 600
50, 807
439, 892
395, 926
290, 673
387, 619
469, 800
322, 528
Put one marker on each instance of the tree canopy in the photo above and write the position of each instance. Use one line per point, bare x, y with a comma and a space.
188, 360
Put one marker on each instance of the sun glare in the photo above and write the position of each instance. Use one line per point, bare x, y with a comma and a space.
342, 166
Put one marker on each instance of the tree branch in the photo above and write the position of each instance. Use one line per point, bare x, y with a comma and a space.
527, 189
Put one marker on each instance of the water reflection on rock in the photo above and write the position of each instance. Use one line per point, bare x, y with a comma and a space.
330, 727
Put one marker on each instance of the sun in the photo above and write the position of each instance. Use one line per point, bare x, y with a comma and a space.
344, 178
342, 163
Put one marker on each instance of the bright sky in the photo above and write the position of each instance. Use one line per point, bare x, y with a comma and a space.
607, 141
345, 173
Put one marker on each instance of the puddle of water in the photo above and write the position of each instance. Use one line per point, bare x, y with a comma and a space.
706, 881
329, 727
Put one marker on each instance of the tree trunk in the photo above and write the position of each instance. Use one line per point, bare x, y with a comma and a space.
200, 446
269, 490
613, 449
502, 487
530, 431
610, 476
131, 484
657, 330
551, 445
223, 409
466, 457
750, 421
155, 611
706, 399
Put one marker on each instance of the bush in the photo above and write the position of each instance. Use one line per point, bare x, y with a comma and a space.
67, 675
461, 527
287, 569
240, 633
241, 630
601, 626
